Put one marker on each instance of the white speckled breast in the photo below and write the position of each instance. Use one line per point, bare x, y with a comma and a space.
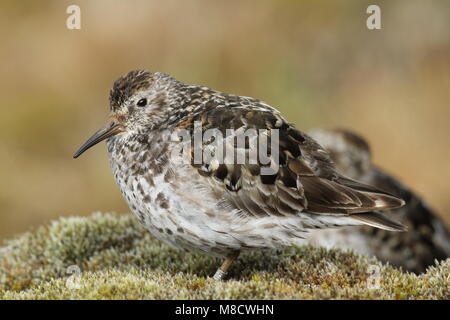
180, 207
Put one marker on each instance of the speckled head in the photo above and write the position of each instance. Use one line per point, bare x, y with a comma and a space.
127, 85
139, 101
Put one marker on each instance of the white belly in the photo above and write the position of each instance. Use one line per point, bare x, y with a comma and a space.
180, 207
191, 216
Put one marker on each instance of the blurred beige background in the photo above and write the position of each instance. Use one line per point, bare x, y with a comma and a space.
314, 60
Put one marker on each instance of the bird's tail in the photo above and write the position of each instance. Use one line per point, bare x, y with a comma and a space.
378, 220
382, 200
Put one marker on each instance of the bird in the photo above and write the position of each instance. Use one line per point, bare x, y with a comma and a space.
157, 128
428, 237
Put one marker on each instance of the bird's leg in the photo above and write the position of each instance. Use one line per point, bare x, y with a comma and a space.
222, 271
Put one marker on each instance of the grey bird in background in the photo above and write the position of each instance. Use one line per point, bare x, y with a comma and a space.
427, 238
223, 208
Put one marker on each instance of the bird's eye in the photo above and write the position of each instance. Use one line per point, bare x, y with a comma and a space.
142, 102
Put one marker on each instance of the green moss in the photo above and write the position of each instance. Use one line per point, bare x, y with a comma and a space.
109, 256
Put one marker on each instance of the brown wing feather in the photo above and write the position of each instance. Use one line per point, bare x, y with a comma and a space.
306, 180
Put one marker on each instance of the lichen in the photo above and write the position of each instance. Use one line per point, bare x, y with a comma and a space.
109, 256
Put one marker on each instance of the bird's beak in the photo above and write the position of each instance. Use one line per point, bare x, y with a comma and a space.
112, 127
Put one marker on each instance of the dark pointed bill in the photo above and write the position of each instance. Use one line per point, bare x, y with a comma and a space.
111, 129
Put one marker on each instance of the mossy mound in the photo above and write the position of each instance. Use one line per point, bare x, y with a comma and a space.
108, 256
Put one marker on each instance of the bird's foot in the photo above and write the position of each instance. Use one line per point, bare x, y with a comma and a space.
223, 270
219, 275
